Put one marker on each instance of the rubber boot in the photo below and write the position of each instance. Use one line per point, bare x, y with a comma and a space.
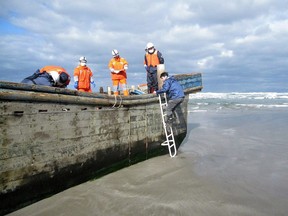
126, 92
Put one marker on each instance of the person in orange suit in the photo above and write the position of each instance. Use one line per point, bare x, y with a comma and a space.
118, 67
83, 76
54, 76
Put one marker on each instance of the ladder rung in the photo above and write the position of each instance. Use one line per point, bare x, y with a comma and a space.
169, 135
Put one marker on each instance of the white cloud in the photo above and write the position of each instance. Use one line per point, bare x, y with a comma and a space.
227, 53
215, 37
205, 62
279, 27
181, 11
247, 39
178, 34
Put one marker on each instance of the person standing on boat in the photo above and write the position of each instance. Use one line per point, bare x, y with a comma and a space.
152, 58
118, 67
54, 76
83, 76
174, 92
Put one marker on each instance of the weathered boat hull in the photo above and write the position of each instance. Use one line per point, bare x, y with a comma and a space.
52, 139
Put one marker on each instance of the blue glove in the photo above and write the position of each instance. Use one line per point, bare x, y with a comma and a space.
93, 84
76, 85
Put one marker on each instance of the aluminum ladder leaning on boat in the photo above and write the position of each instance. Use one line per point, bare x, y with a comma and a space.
170, 141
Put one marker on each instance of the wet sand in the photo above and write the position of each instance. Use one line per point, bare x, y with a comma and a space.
231, 163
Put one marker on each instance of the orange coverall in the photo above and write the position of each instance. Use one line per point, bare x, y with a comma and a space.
83, 75
58, 69
119, 75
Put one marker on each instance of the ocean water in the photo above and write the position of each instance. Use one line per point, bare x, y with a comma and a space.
238, 101
233, 161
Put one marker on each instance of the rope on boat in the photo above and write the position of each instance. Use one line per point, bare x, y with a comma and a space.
115, 97
120, 101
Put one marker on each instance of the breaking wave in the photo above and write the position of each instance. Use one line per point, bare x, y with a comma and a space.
202, 102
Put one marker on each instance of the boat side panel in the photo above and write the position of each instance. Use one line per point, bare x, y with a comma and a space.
48, 147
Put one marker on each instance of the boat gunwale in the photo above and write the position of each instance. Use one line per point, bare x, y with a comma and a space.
11, 91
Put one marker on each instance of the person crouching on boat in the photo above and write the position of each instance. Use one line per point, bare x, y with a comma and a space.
118, 67
83, 76
54, 76
174, 92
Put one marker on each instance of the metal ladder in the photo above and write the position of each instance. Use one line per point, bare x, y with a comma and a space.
170, 141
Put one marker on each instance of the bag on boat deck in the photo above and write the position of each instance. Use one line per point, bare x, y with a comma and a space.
137, 92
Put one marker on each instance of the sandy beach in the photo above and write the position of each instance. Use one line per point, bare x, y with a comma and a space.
231, 163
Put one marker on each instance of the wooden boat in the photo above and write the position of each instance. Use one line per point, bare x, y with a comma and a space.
52, 138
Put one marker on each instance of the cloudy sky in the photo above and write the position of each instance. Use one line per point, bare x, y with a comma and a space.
237, 45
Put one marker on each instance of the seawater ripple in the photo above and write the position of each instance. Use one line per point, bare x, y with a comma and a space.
237, 101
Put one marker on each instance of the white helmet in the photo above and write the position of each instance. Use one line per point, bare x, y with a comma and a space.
149, 45
83, 59
115, 53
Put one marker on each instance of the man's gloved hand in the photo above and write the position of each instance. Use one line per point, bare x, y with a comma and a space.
93, 84
76, 85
